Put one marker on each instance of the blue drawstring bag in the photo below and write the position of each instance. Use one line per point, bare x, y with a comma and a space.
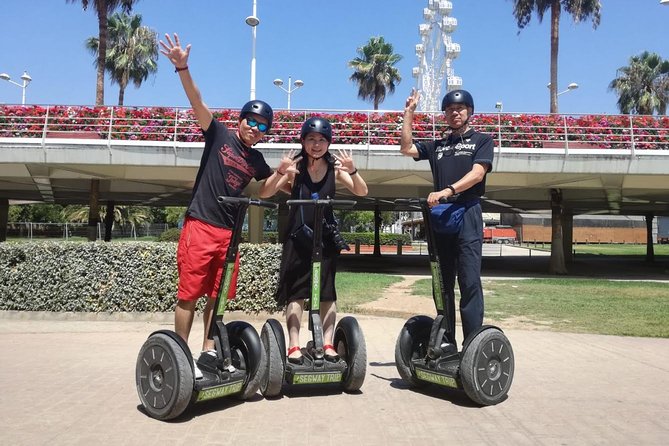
447, 218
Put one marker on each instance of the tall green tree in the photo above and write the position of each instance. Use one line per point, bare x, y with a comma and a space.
102, 9
643, 85
580, 10
375, 72
132, 51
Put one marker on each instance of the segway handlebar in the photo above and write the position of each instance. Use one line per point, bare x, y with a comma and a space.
423, 201
246, 200
337, 204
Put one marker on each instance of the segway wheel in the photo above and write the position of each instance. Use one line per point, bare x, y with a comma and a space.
247, 353
274, 345
164, 377
487, 367
412, 343
350, 345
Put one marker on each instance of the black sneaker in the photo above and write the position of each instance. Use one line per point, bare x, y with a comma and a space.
448, 349
208, 362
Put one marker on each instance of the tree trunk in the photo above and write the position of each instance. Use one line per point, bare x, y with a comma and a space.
555, 43
377, 236
109, 221
93, 211
557, 264
650, 249
102, 55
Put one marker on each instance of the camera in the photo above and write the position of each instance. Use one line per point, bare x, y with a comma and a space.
332, 233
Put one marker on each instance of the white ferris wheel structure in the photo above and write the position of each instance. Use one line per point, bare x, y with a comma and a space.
436, 53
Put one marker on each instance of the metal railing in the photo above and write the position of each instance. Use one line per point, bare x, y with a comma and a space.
178, 125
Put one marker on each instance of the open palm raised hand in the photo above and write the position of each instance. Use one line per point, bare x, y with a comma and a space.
172, 49
344, 160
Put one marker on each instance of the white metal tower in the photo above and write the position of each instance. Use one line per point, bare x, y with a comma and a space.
435, 54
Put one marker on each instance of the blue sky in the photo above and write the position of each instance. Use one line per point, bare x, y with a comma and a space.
313, 39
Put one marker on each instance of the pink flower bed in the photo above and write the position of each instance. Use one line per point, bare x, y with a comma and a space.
169, 124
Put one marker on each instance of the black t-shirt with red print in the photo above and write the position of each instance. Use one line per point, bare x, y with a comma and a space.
226, 168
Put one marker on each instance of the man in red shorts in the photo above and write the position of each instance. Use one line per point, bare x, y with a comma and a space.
228, 164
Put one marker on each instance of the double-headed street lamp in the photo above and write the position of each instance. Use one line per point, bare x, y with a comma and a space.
253, 21
297, 84
26, 80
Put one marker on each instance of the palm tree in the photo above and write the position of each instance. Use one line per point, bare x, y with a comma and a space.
643, 85
102, 9
122, 215
580, 10
374, 70
132, 53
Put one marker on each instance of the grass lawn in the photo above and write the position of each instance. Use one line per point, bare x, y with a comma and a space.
354, 289
577, 305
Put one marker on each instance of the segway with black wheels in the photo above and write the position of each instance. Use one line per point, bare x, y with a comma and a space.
164, 373
483, 369
349, 371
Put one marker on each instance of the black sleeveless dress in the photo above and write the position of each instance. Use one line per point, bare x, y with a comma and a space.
295, 271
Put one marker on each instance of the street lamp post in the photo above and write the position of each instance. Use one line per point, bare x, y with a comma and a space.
499, 106
292, 86
26, 80
570, 87
253, 21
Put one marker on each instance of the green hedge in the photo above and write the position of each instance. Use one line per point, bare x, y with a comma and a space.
365, 238
119, 277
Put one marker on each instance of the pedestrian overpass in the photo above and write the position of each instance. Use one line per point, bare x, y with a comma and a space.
600, 164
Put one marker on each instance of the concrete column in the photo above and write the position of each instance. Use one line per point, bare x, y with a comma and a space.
93, 211
4, 216
650, 249
568, 235
109, 221
557, 263
255, 220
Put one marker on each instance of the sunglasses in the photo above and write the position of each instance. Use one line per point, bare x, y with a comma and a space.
253, 123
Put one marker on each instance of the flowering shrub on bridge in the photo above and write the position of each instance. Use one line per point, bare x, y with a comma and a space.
376, 128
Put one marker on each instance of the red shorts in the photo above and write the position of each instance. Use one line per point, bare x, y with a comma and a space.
200, 259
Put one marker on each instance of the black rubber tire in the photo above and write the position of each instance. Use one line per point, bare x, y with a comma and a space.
487, 366
164, 377
349, 341
412, 343
274, 344
247, 353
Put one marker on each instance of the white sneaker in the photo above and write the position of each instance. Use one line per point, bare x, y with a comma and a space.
196, 370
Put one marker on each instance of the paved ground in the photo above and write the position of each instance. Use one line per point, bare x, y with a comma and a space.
67, 381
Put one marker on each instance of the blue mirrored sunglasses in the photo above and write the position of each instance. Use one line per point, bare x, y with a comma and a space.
253, 123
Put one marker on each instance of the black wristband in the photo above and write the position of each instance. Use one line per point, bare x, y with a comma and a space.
177, 69
355, 172
451, 188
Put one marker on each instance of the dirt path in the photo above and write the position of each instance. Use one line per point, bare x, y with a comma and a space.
397, 300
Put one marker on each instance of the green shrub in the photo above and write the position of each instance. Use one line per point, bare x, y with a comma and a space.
115, 277
170, 235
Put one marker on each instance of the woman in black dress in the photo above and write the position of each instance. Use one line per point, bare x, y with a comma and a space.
313, 171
